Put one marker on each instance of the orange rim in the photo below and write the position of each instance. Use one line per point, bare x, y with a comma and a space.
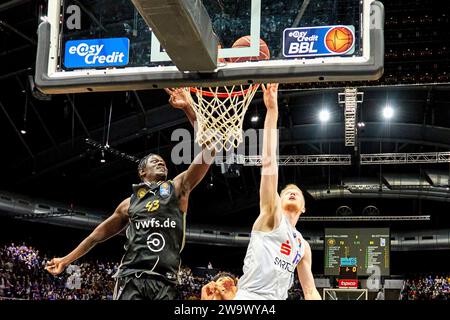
209, 93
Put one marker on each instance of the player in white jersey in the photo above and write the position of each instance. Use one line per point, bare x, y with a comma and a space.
276, 249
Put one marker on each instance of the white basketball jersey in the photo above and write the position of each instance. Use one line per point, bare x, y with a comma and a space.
270, 263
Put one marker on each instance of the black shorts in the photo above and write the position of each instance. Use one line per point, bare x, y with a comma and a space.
144, 288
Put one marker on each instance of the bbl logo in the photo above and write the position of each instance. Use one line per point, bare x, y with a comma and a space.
318, 41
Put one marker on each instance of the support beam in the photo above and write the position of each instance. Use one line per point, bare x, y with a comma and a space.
291, 160
14, 50
16, 130
350, 98
38, 116
15, 73
405, 158
365, 218
72, 104
184, 30
11, 4
6, 25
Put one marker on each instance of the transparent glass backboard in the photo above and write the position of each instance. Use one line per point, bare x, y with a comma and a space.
345, 294
101, 45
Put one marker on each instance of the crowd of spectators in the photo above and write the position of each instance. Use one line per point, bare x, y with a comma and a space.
427, 287
22, 276
190, 286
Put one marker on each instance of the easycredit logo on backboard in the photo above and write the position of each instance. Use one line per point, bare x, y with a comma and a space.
96, 53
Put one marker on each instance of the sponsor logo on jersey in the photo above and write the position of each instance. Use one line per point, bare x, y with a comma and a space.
284, 265
286, 248
156, 242
297, 258
141, 193
165, 190
155, 223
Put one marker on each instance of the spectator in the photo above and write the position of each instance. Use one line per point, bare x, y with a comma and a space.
222, 287
380, 295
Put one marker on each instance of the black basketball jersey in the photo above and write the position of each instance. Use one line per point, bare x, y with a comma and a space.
155, 235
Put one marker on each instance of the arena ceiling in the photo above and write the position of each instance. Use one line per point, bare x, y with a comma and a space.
52, 160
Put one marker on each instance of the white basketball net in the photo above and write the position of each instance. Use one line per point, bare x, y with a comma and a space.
220, 114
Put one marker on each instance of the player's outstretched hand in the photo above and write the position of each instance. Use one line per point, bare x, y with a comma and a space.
179, 98
270, 95
55, 266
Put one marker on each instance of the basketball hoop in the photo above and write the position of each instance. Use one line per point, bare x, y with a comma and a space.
220, 114
220, 111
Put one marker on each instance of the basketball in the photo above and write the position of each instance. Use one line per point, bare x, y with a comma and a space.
264, 52
339, 39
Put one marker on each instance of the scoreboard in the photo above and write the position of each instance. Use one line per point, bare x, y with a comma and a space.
357, 252
348, 272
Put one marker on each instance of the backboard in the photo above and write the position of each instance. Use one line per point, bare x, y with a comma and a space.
344, 294
102, 45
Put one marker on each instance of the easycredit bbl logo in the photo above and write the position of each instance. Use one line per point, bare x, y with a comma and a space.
97, 53
318, 41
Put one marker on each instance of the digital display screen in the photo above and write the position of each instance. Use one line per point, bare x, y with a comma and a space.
368, 249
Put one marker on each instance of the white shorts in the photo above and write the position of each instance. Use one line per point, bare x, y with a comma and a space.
246, 295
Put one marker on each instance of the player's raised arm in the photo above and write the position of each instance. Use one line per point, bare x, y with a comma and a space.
108, 228
267, 219
306, 277
179, 99
187, 180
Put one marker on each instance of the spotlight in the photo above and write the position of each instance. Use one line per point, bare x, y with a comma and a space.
361, 124
254, 119
388, 112
23, 131
324, 116
210, 184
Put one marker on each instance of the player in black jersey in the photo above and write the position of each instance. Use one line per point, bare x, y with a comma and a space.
155, 219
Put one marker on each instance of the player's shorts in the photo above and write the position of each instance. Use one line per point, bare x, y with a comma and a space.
145, 287
246, 295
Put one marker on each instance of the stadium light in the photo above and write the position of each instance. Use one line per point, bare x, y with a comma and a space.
254, 119
388, 112
324, 115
